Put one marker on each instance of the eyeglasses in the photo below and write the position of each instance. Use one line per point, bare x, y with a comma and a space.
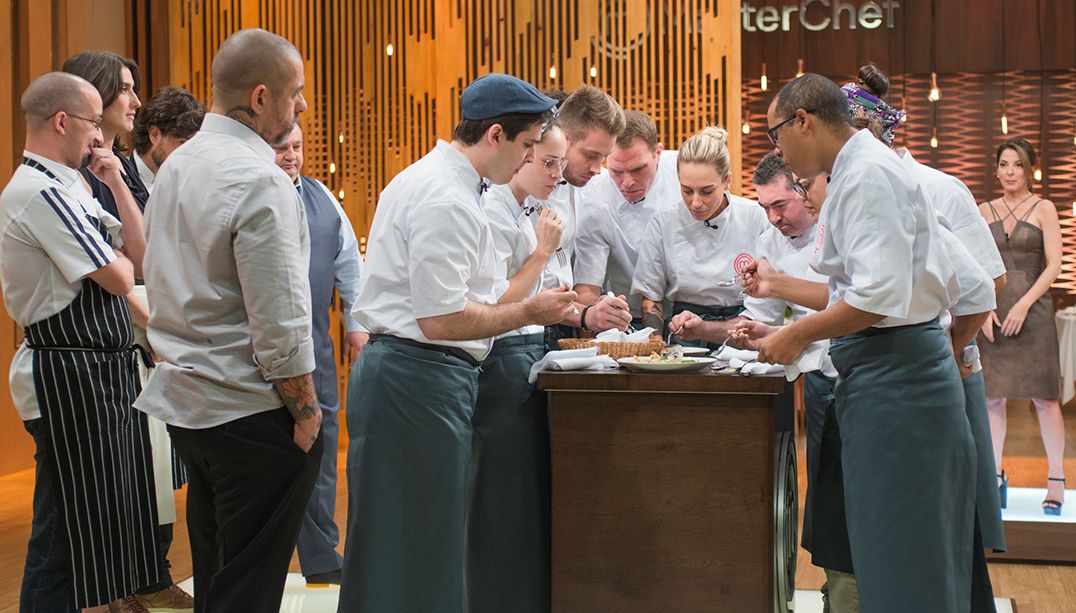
555, 164
772, 132
801, 187
96, 123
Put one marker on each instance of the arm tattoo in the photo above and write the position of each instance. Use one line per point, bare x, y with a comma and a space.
299, 396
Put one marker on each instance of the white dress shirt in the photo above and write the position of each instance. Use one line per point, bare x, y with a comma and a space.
954, 201
682, 259
790, 256
611, 228
430, 250
144, 172
514, 240
226, 273
47, 247
878, 238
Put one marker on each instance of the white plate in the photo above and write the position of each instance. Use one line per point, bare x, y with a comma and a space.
636, 364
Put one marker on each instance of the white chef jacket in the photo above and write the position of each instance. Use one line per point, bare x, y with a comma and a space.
789, 256
976, 293
47, 247
514, 240
564, 201
955, 203
878, 238
430, 250
682, 259
611, 228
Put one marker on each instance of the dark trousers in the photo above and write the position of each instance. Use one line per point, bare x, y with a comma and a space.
248, 489
45, 579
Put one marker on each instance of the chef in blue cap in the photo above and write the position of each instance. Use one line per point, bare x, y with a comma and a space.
429, 301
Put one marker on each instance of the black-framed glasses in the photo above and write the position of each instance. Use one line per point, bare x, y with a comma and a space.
772, 132
96, 123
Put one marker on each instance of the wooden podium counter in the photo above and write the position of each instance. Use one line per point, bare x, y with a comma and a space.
663, 493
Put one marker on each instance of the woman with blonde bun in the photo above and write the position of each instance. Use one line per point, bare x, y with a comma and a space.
692, 256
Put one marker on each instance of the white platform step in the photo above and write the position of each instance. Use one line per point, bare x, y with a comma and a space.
1025, 504
301, 599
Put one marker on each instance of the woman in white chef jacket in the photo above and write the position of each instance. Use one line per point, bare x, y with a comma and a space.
691, 256
508, 518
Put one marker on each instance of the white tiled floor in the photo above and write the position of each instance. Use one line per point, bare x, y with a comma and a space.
1025, 504
300, 599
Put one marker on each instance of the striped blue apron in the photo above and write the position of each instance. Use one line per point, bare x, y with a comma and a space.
86, 380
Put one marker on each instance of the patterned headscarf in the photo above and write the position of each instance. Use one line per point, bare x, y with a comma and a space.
862, 101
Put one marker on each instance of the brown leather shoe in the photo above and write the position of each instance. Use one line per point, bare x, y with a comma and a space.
167, 600
126, 605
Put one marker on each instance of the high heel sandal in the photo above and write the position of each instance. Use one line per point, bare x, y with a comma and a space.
1053, 507
1003, 489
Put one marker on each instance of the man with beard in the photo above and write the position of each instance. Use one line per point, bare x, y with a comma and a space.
227, 280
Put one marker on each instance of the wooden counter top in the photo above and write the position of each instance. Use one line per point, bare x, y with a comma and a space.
706, 382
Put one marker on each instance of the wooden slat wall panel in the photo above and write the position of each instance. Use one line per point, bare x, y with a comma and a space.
371, 114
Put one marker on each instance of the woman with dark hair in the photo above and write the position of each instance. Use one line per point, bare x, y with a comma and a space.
1023, 360
117, 79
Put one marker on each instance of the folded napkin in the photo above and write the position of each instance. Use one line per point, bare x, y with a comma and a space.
572, 359
761, 368
971, 358
815, 356
616, 336
728, 354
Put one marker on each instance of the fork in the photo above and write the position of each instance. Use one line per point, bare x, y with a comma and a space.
668, 340
728, 283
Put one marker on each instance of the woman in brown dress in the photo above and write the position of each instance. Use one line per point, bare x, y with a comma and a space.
1020, 353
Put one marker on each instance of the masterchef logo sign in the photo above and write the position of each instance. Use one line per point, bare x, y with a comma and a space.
818, 15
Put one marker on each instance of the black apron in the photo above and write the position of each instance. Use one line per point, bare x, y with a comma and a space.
85, 371
908, 458
706, 313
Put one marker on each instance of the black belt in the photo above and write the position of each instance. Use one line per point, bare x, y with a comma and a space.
708, 313
454, 352
147, 360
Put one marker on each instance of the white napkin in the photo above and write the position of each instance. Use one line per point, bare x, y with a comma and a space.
815, 356
616, 336
728, 354
572, 359
971, 358
761, 368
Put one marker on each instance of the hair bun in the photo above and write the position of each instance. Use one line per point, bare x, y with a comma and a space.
872, 78
717, 133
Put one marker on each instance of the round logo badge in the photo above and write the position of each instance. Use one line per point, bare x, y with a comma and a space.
741, 262
821, 239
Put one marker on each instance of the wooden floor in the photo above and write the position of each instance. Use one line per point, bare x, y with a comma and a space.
1035, 587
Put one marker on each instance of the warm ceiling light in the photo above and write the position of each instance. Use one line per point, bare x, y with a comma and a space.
341, 138
935, 93
389, 50
1038, 174
552, 73
341, 194
799, 67
764, 84
593, 72
332, 168
933, 138
746, 129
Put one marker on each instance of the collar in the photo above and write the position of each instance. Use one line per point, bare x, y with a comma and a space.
803, 239
299, 184
722, 219
462, 166
851, 150
68, 176
220, 124
144, 172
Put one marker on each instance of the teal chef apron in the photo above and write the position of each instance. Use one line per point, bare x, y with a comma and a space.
409, 411
908, 459
508, 523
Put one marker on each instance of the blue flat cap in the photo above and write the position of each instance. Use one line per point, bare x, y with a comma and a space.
499, 94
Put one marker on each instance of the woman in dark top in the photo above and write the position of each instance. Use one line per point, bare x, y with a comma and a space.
116, 79
1020, 353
